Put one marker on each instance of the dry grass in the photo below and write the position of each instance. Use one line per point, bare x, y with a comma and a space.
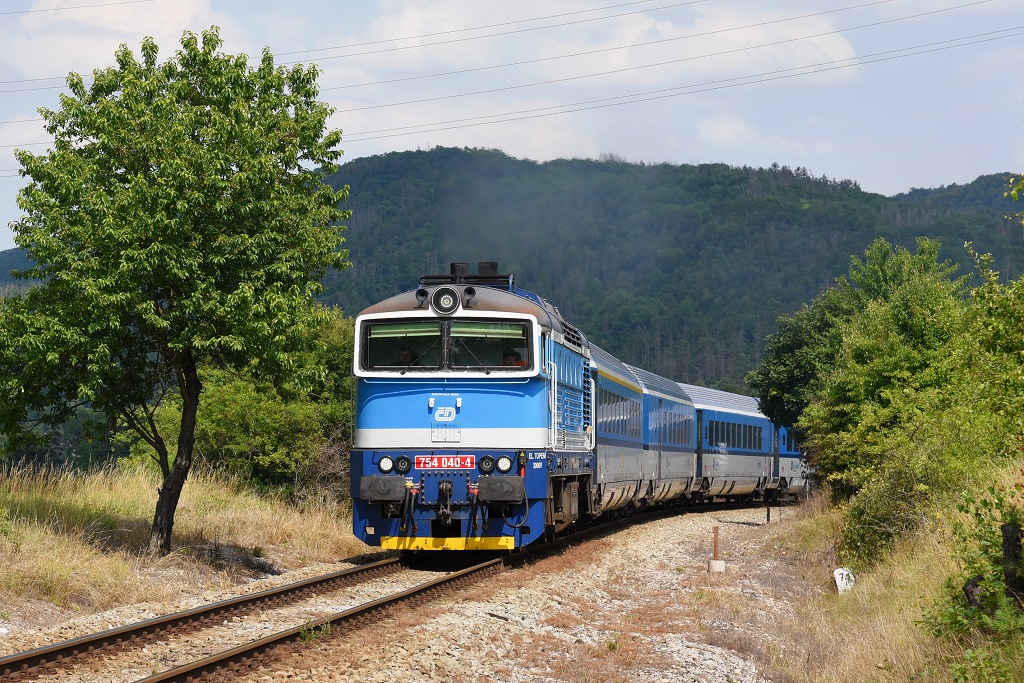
79, 540
619, 658
873, 632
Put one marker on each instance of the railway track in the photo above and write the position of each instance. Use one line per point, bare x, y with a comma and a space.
48, 660
255, 654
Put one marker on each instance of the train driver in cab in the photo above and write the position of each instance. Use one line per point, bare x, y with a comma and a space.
512, 358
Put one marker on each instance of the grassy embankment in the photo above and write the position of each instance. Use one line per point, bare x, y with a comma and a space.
78, 540
882, 630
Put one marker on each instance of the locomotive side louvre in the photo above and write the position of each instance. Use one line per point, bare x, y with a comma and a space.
570, 447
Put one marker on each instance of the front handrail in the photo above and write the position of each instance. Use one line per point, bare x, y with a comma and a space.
552, 369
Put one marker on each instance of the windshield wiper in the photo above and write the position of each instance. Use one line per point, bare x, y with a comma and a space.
417, 358
479, 362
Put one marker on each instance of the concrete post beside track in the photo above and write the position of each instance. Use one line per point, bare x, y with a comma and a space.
715, 565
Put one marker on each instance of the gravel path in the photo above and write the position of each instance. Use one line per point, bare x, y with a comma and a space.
638, 605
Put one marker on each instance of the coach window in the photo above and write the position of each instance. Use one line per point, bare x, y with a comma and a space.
401, 346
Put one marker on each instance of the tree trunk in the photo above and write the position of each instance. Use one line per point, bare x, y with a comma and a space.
174, 481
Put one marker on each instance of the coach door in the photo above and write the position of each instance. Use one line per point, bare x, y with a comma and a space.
656, 448
776, 432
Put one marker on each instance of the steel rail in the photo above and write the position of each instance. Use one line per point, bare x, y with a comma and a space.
30, 664
251, 656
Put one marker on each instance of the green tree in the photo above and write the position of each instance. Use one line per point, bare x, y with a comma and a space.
266, 436
799, 355
894, 353
175, 224
1016, 190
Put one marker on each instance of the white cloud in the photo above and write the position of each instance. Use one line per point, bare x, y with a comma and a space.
726, 130
46, 44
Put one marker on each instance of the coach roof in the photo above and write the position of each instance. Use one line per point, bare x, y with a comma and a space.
704, 398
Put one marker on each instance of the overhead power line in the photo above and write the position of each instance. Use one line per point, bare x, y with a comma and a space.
506, 23
604, 50
649, 66
74, 7
692, 35
665, 93
571, 78
416, 37
536, 28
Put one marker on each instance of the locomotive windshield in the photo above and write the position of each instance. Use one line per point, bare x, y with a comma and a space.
489, 345
463, 345
403, 345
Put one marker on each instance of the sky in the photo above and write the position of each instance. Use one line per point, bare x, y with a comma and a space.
892, 94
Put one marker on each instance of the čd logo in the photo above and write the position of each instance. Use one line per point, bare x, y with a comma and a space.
445, 414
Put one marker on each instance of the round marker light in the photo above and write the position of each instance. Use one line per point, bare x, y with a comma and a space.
486, 464
386, 464
444, 301
403, 464
504, 464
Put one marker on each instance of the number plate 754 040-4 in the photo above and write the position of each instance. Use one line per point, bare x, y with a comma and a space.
445, 462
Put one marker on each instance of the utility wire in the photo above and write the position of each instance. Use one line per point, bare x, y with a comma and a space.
627, 47
648, 66
692, 35
707, 86
622, 47
507, 23
409, 47
646, 96
61, 9
531, 61
626, 68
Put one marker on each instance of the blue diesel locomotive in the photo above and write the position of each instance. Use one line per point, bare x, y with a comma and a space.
485, 421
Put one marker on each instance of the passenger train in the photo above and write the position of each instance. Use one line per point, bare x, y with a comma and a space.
485, 421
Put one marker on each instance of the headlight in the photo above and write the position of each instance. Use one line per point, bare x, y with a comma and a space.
504, 464
403, 464
386, 464
486, 464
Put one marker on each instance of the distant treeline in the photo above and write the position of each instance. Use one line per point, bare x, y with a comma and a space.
677, 268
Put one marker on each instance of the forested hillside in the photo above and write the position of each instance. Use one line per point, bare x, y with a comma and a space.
11, 259
680, 269
677, 268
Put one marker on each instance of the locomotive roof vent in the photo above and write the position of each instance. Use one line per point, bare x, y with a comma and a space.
487, 275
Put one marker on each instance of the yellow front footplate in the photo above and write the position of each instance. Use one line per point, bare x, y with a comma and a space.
485, 543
